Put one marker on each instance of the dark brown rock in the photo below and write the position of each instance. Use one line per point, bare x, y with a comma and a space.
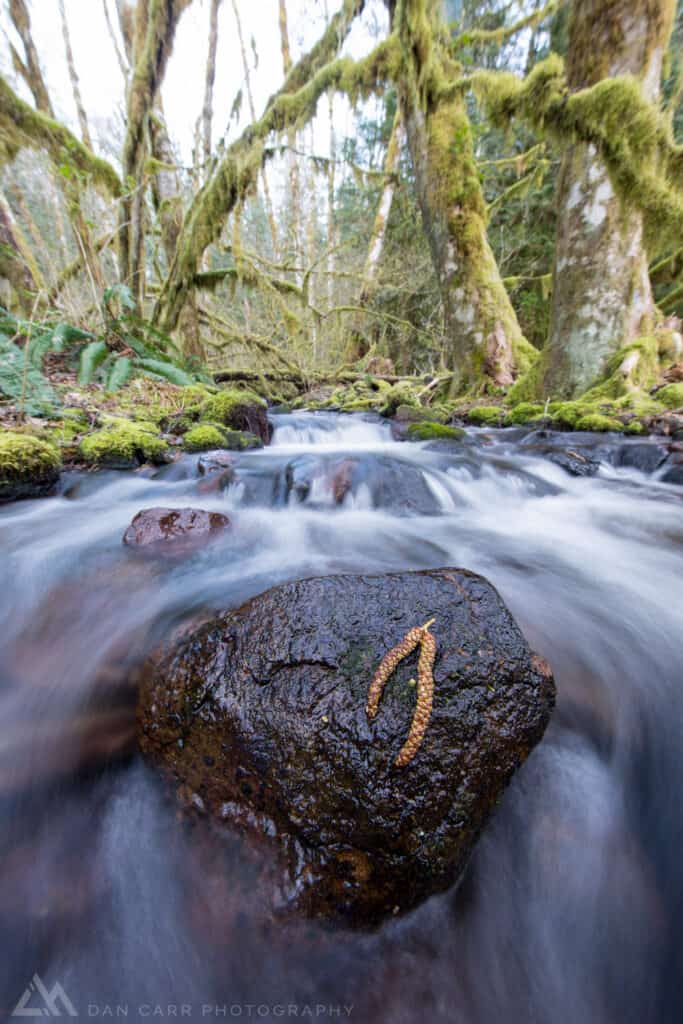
260, 716
175, 529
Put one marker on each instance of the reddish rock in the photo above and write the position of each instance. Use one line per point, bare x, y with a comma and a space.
342, 478
174, 528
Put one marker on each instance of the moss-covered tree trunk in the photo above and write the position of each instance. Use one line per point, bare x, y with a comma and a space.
17, 264
484, 340
601, 291
357, 344
153, 32
168, 203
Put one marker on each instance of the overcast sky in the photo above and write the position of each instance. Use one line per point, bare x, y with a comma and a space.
102, 83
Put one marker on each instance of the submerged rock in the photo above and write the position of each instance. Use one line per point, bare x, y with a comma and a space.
646, 456
174, 529
29, 467
259, 718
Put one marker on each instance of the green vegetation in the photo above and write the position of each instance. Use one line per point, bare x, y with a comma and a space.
23, 457
122, 444
203, 437
486, 416
427, 431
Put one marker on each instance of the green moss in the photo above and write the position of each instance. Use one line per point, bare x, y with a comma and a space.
123, 444
429, 431
486, 415
566, 414
230, 406
635, 427
596, 422
401, 394
671, 396
26, 458
240, 440
525, 412
203, 437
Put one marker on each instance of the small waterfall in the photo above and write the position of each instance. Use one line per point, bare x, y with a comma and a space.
328, 430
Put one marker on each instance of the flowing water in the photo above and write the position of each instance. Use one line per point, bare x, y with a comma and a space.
571, 908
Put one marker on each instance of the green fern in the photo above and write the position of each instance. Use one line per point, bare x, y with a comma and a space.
167, 371
92, 357
119, 374
39, 399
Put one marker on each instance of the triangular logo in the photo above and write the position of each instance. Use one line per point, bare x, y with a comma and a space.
55, 1001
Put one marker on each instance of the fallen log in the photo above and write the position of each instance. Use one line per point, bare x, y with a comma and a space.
313, 379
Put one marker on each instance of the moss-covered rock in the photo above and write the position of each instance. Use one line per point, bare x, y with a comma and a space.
525, 412
401, 394
240, 440
29, 467
123, 445
596, 422
239, 410
486, 415
671, 396
203, 437
429, 431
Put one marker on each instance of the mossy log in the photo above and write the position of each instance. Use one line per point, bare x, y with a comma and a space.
310, 380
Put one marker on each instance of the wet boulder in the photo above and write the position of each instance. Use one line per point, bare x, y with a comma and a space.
672, 471
578, 454
173, 530
216, 470
644, 456
259, 718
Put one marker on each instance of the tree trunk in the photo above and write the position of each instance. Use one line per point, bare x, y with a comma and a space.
31, 72
252, 113
73, 75
483, 336
293, 203
207, 108
168, 203
16, 260
357, 346
602, 297
154, 31
484, 340
238, 168
29, 68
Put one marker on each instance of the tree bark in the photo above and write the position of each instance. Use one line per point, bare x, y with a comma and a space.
207, 108
73, 75
602, 297
29, 68
484, 339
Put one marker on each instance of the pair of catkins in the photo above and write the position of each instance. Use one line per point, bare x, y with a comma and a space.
419, 636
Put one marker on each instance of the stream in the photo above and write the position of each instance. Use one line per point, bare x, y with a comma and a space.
571, 908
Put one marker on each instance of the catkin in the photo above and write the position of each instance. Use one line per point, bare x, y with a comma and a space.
387, 666
425, 696
419, 636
